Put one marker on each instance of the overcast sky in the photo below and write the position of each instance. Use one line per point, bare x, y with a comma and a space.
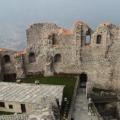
17, 15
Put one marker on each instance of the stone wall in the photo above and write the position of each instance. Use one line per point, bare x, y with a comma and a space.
98, 57
53, 50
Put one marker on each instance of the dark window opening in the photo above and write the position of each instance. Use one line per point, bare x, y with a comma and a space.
11, 106
57, 58
83, 80
82, 38
82, 42
23, 108
6, 59
53, 38
98, 41
2, 104
32, 57
10, 77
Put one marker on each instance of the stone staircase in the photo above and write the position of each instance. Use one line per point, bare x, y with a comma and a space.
81, 106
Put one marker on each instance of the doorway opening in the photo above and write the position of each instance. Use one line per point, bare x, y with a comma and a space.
23, 108
10, 77
83, 80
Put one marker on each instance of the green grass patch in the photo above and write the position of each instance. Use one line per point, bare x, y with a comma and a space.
5, 113
68, 81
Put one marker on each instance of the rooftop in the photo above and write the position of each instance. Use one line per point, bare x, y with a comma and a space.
29, 93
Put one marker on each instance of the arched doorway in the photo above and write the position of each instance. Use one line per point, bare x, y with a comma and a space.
83, 80
98, 40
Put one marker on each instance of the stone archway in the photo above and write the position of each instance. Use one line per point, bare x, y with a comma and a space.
83, 80
6, 59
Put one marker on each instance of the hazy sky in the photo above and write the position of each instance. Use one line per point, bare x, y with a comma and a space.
17, 15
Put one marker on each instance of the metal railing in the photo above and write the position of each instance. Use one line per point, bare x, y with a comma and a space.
14, 117
94, 113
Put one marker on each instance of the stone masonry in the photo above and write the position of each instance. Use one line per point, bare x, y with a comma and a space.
56, 50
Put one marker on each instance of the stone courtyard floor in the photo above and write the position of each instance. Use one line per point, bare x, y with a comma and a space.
81, 107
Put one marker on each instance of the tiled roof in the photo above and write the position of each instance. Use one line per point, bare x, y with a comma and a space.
20, 53
64, 31
29, 93
3, 49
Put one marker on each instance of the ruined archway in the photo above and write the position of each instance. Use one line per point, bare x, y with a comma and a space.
83, 80
6, 59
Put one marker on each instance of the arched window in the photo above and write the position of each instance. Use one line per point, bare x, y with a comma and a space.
88, 38
6, 59
32, 57
57, 58
98, 40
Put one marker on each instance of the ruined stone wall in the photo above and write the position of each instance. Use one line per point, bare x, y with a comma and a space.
40, 42
8, 65
59, 50
99, 58
39, 45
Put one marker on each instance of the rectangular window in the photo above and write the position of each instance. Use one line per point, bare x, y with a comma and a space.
10, 106
2, 104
